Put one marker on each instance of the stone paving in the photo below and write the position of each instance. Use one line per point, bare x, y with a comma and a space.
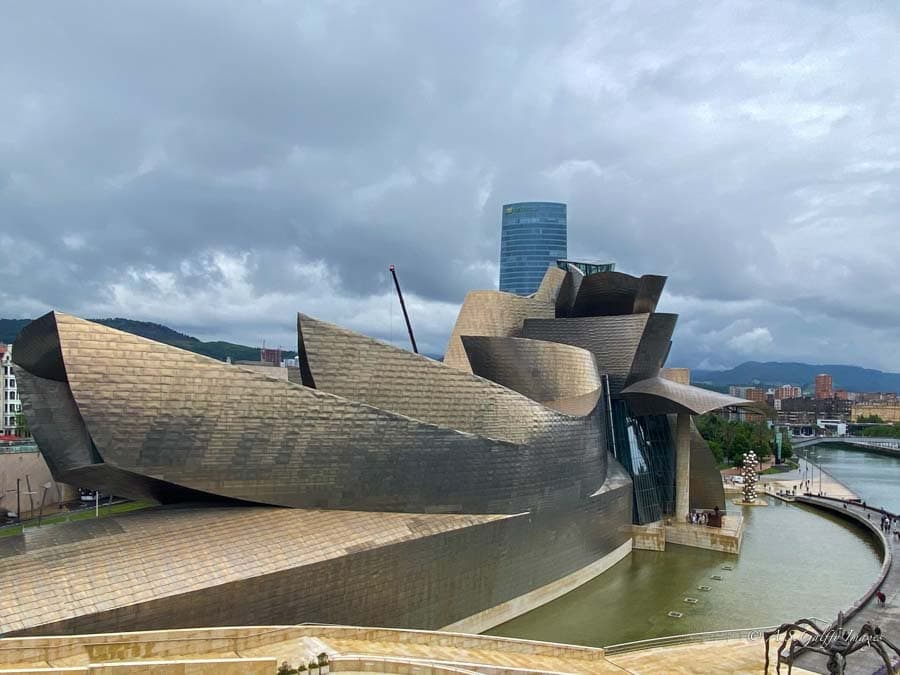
788, 480
714, 656
352, 649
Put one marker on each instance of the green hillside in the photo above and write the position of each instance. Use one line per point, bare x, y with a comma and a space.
10, 328
774, 373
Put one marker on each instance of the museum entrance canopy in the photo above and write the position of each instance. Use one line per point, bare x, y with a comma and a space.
657, 395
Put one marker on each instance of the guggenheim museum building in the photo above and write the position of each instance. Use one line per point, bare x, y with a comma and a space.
368, 486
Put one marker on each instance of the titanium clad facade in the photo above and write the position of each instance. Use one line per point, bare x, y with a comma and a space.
617, 342
558, 376
617, 293
420, 493
533, 237
707, 490
203, 566
162, 420
495, 314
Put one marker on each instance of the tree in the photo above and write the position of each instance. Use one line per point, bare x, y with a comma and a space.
787, 448
870, 419
22, 425
885, 431
730, 441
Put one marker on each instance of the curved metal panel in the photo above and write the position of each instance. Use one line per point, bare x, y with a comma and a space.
659, 395
199, 424
202, 566
653, 348
492, 313
551, 284
559, 376
648, 293
568, 291
707, 491
365, 370
606, 294
617, 293
38, 351
613, 340
54, 422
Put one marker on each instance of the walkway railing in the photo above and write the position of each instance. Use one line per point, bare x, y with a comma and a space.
688, 638
14, 448
849, 509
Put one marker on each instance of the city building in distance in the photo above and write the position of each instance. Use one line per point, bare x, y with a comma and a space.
787, 391
370, 485
9, 400
824, 386
533, 236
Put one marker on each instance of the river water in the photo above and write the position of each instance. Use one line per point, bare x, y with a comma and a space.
795, 562
875, 478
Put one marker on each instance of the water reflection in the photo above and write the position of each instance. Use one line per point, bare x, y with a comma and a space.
794, 562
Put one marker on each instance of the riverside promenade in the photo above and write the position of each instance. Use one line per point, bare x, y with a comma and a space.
819, 481
867, 608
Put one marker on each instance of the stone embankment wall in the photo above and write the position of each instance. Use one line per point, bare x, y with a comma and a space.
854, 513
29, 467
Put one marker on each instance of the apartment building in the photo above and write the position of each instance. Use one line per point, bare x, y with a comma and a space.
10, 395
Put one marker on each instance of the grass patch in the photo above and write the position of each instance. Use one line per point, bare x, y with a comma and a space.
784, 468
10, 531
81, 514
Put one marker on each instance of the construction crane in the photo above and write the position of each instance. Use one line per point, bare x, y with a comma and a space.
412, 338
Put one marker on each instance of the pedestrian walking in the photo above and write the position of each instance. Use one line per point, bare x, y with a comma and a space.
881, 598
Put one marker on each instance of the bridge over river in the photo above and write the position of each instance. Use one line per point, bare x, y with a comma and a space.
884, 446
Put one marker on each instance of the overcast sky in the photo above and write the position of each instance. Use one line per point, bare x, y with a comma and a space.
217, 166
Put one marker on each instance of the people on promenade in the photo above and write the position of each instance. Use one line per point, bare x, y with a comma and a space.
881, 598
699, 518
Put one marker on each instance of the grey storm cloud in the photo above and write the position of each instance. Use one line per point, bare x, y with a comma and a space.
217, 166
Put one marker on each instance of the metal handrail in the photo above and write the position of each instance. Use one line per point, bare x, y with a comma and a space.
13, 448
688, 638
692, 638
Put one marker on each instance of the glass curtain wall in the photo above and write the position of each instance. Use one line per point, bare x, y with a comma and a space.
646, 449
533, 237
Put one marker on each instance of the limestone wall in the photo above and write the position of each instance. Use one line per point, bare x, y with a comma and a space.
29, 467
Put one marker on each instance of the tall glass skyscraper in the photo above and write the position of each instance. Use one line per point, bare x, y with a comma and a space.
533, 238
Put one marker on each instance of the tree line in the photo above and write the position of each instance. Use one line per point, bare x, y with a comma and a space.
731, 440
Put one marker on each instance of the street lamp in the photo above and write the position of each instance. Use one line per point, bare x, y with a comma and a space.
46, 486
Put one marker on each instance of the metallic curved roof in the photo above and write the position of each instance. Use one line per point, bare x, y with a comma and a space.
628, 348
141, 419
659, 395
569, 290
559, 376
366, 370
617, 293
551, 285
83, 571
493, 313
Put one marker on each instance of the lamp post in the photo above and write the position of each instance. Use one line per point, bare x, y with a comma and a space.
47, 486
820, 471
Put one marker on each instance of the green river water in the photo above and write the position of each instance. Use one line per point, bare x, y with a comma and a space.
795, 562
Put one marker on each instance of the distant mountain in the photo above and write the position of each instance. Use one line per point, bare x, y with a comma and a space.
774, 373
10, 328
